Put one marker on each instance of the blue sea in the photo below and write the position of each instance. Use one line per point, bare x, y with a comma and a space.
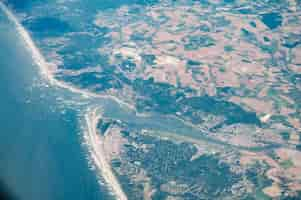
42, 155
41, 151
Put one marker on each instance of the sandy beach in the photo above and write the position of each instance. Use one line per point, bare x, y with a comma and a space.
97, 153
93, 140
44, 66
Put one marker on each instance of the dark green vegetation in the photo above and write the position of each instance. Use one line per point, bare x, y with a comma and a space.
285, 135
70, 31
193, 63
298, 147
286, 164
103, 125
159, 97
228, 48
149, 59
164, 98
48, 26
256, 174
168, 168
165, 162
204, 28
127, 65
298, 197
247, 35
99, 81
197, 42
292, 40
220, 22
232, 112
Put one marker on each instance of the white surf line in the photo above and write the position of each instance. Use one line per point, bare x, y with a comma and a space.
98, 153
93, 139
45, 66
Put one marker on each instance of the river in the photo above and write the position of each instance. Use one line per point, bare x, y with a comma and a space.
42, 150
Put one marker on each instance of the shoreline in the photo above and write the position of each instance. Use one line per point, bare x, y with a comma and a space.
91, 117
44, 65
97, 153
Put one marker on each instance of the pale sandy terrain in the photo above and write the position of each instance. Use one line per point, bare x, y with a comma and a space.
46, 68
219, 69
95, 141
91, 118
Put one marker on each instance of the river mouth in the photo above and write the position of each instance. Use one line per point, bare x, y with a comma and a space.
53, 140
112, 107
41, 151
42, 144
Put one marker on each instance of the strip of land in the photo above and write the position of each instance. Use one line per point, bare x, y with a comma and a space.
95, 142
45, 67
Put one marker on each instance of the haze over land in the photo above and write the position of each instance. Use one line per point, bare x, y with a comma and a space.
194, 99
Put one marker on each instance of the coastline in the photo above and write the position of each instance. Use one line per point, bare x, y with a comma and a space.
91, 117
44, 66
97, 153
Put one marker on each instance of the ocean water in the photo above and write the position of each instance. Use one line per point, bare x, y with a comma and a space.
41, 151
42, 155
